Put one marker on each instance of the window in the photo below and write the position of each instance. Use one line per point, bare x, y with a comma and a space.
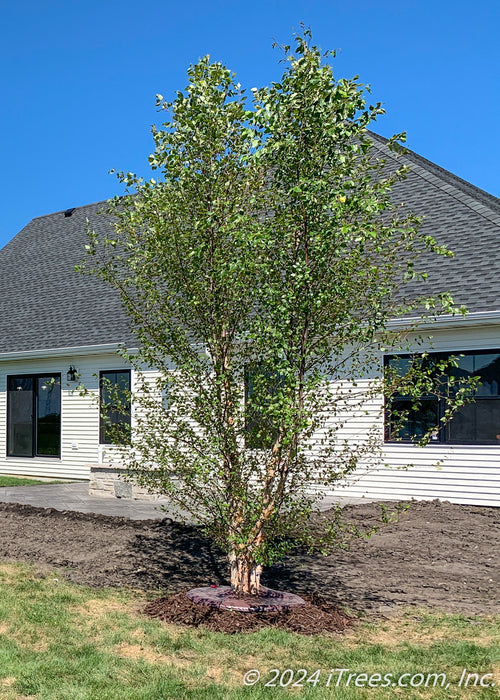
115, 406
34, 415
477, 423
262, 383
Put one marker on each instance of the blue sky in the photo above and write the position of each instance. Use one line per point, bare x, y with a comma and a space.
78, 81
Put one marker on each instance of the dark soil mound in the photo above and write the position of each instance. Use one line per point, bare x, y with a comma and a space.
317, 616
439, 555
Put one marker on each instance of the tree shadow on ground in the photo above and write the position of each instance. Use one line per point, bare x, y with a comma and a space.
173, 556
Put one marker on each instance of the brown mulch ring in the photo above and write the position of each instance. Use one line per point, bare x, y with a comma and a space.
315, 617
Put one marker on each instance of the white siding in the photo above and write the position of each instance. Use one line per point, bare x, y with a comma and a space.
459, 473
465, 475
79, 416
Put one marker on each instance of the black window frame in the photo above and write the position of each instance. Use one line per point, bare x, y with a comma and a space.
34, 415
442, 436
253, 421
127, 419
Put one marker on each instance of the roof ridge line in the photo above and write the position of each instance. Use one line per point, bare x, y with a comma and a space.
61, 211
485, 210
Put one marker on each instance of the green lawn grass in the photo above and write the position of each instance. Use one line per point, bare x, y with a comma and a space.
59, 640
22, 481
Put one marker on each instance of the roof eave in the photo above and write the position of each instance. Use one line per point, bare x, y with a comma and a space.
474, 318
105, 348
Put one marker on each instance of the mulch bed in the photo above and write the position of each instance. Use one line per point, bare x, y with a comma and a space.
317, 616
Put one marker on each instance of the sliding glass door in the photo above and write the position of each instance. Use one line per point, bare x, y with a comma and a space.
34, 415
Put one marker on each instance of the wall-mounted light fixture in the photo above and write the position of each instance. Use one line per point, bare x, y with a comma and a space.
71, 375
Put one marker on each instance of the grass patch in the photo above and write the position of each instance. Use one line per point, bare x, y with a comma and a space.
61, 641
23, 481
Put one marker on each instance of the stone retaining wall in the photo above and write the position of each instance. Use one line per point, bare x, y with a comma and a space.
106, 480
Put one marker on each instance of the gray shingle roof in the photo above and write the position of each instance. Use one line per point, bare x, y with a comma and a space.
461, 216
45, 304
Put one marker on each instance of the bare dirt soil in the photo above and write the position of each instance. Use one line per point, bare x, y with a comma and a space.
438, 555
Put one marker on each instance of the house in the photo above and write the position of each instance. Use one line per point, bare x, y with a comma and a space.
54, 320
59, 328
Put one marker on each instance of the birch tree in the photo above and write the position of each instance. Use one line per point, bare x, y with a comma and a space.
259, 271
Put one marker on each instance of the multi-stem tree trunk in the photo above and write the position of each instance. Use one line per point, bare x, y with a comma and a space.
245, 574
